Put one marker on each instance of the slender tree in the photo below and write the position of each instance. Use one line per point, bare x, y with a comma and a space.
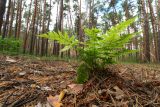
2, 11
19, 19
17, 16
27, 29
48, 24
80, 32
146, 41
60, 23
7, 20
32, 41
158, 13
153, 22
12, 15
43, 29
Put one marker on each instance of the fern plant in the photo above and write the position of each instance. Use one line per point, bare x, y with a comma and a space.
98, 49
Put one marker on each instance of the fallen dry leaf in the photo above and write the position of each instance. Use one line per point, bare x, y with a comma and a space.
42, 105
53, 101
56, 100
61, 96
76, 88
14, 69
119, 94
8, 59
46, 88
72, 86
22, 73
94, 106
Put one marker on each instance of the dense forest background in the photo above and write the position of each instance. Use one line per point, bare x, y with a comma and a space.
22, 20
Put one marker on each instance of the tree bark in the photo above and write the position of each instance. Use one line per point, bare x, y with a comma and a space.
32, 42
19, 20
146, 44
17, 16
27, 29
80, 32
60, 24
7, 20
158, 12
48, 25
154, 31
12, 18
2, 11
55, 44
43, 29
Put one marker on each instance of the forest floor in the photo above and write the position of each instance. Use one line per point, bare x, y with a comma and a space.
38, 83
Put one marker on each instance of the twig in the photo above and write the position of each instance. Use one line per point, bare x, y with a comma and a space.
24, 99
151, 102
5, 102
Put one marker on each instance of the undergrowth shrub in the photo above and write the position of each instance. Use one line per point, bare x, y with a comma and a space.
98, 49
10, 45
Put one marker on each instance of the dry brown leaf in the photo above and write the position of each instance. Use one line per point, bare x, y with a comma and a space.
76, 88
94, 106
54, 101
61, 96
122, 104
46, 88
118, 93
22, 73
8, 59
72, 86
15, 69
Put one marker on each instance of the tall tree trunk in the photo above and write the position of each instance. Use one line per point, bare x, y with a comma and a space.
154, 30
48, 24
158, 12
80, 32
33, 28
2, 11
12, 18
146, 44
36, 32
55, 44
38, 29
136, 42
17, 16
70, 16
19, 20
91, 14
27, 29
7, 20
126, 8
43, 29
40, 18
60, 24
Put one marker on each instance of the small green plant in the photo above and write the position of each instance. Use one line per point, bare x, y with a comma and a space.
98, 49
10, 45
